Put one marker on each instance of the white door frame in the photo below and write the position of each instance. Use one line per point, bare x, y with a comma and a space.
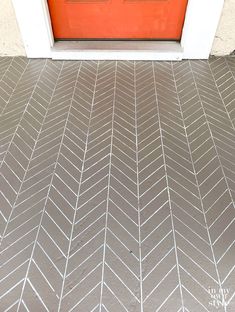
202, 18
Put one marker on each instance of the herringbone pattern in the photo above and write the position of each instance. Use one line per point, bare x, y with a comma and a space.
117, 186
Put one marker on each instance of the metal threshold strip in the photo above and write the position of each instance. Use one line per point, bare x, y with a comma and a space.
117, 50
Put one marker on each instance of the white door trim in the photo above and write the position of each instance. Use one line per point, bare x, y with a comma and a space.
202, 18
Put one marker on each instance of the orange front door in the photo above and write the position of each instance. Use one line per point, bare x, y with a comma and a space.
117, 19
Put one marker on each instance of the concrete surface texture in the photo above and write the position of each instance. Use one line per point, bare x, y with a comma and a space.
224, 43
11, 42
10, 37
118, 186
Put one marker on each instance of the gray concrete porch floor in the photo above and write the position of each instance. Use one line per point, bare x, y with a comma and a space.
118, 186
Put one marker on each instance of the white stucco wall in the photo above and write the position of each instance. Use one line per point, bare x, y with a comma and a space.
224, 42
11, 43
10, 38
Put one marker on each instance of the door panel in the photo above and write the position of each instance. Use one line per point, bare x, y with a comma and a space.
117, 19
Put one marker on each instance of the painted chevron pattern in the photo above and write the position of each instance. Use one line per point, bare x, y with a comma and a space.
117, 186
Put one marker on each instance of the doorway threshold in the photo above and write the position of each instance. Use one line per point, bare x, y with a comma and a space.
117, 50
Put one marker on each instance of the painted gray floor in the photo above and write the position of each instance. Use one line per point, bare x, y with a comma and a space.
118, 186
